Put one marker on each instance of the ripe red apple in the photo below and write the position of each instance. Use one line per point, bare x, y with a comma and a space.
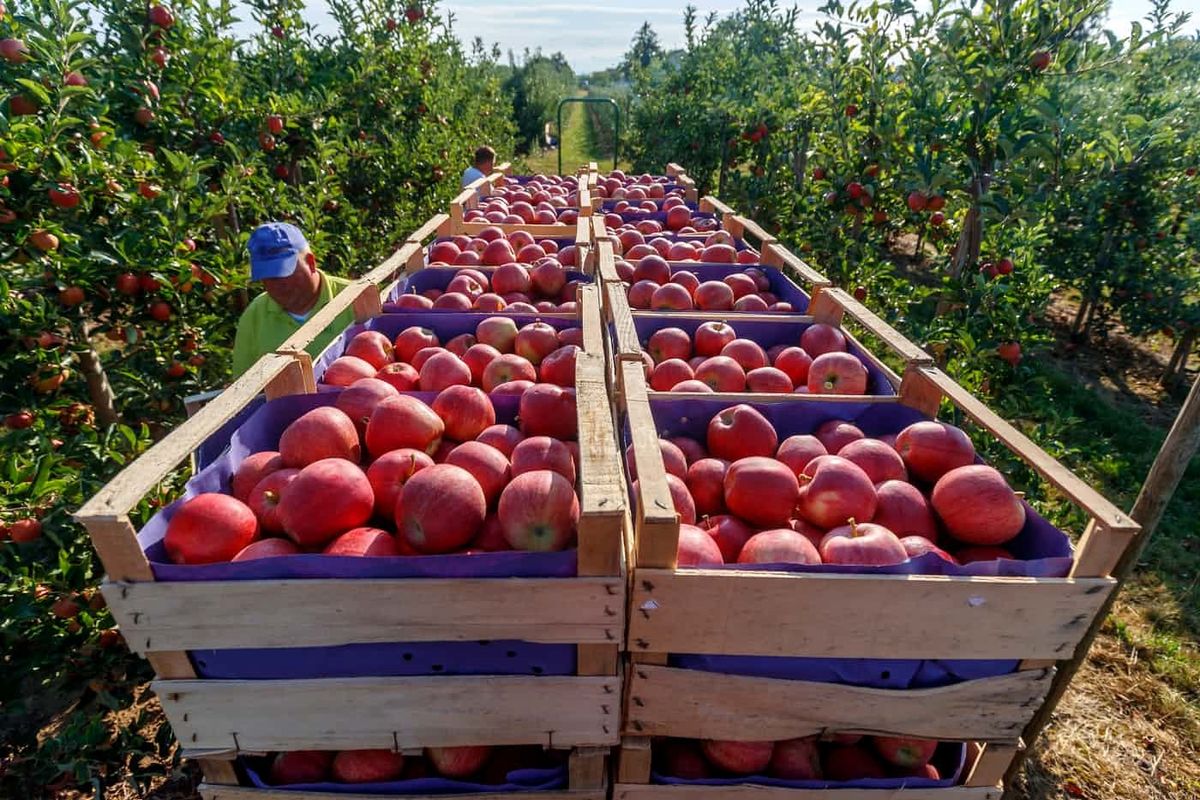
852, 763
388, 474
402, 377
367, 766
739, 432
903, 510
779, 546
504, 438
346, 370
363, 543
539, 511
694, 386
740, 758
301, 766
768, 379
711, 338
669, 343
719, 254
404, 421
372, 347
669, 374
414, 302
837, 373
487, 465
838, 491
324, 432
209, 528
507, 368
543, 453
454, 301
730, 534
253, 469
535, 341
692, 450
906, 752
641, 293
820, 338
721, 374
558, 368
671, 297
978, 506
264, 499
836, 434
465, 410
410, 340
652, 268
761, 491
682, 759
440, 509
742, 285
548, 278
931, 449
918, 546
498, 252
460, 344
797, 451
458, 762
359, 400
687, 280
877, 459
748, 354
796, 760
862, 543
548, 410
713, 296
442, 370
477, 357
499, 332
327, 497
696, 548
795, 362
705, 480
267, 548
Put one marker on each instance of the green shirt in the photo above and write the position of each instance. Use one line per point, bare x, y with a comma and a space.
264, 325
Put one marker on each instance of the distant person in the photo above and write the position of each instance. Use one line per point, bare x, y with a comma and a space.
485, 160
293, 290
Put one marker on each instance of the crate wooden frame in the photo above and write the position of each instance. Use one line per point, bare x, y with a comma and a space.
1037, 621
469, 198
163, 620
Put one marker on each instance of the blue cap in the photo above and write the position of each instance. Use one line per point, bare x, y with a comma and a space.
273, 249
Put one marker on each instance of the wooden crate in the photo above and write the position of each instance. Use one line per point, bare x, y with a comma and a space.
216, 720
469, 198
1035, 621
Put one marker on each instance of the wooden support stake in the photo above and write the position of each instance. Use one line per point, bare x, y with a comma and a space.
587, 768
633, 761
994, 760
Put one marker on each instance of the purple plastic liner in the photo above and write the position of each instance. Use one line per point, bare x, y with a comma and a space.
767, 334
520, 780
261, 431
950, 758
439, 278
1041, 550
446, 324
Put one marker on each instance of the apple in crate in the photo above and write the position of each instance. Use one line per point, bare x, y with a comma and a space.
682, 759
301, 766
669, 343
507, 368
740, 758
862, 543
906, 752
440, 509
797, 451
346, 370
837, 491
372, 347
412, 339
542, 452
837, 433
741, 431
796, 760
819, 339
253, 469
558, 368
465, 410
367, 766
487, 466
457, 762
711, 338
388, 474
878, 460
795, 363
705, 479
837, 373
535, 341
548, 410
359, 399
324, 432
978, 506
762, 491
779, 546
267, 548
902, 509
327, 497
363, 542
209, 528
931, 449
852, 763
404, 421
265, 497
696, 548
402, 377
504, 438
539, 511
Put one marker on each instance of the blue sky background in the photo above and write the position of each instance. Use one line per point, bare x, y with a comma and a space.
595, 35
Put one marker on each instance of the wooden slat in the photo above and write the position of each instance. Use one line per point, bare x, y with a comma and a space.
1100, 550
918, 393
993, 762
296, 378
630, 791
708, 705
601, 481
115, 540
428, 229
674, 170
628, 343
606, 262
586, 768
734, 316
876, 326
753, 228
776, 255
878, 616
393, 265
600, 230
710, 204
305, 613
657, 523
130, 485
633, 760
1107, 515
214, 792
591, 319
391, 713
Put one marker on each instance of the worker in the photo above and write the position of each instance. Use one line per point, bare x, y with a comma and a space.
293, 290
485, 159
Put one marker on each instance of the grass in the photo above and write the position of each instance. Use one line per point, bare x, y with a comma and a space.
579, 141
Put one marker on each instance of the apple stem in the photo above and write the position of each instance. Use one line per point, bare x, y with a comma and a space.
853, 528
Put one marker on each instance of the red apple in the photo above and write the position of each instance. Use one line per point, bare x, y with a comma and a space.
851, 764
931, 449
410, 340
796, 760
558, 368
687, 280
511, 278
779, 546
301, 766
539, 511
753, 303
862, 543
458, 762
671, 297
797, 451
453, 301
327, 497
838, 491
542, 453
722, 374
460, 344
209, 528
535, 341
363, 543
878, 460
761, 491
253, 469
652, 268
267, 548
719, 254
795, 362
741, 431
692, 450
346, 370
367, 766
641, 293
819, 339
768, 379
499, 332
502, 437
548, 410
682, 759
918, 546
669, 374
487, 465
388, 474
514, 388
713, 296
903, 510
548, 278
424, 354
696, 548
440, 252
440, 509
465, 410
404, 421
372, 347
694, 386
837, 433
705, 480
730, 534
477, 357
742, 285
507, 368
748, 354
978, 506
906, 752
497, 252
402, 377
711, 338
360, 398
837, 373
324, 432
442, 370
669, 343
265, 496
740, 758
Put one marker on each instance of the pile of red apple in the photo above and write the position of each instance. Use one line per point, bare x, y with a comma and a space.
716, 360
492, 247
835, 496
380, 473
542, 200
657, 286
645, 238
619, 186
845, 757
680, 218
480, 764
499, 357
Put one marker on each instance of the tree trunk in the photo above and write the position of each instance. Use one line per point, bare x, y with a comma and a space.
1077, 325
99, 390
1177, 367
966, 252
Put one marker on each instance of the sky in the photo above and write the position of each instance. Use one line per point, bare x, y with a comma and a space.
594, 35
